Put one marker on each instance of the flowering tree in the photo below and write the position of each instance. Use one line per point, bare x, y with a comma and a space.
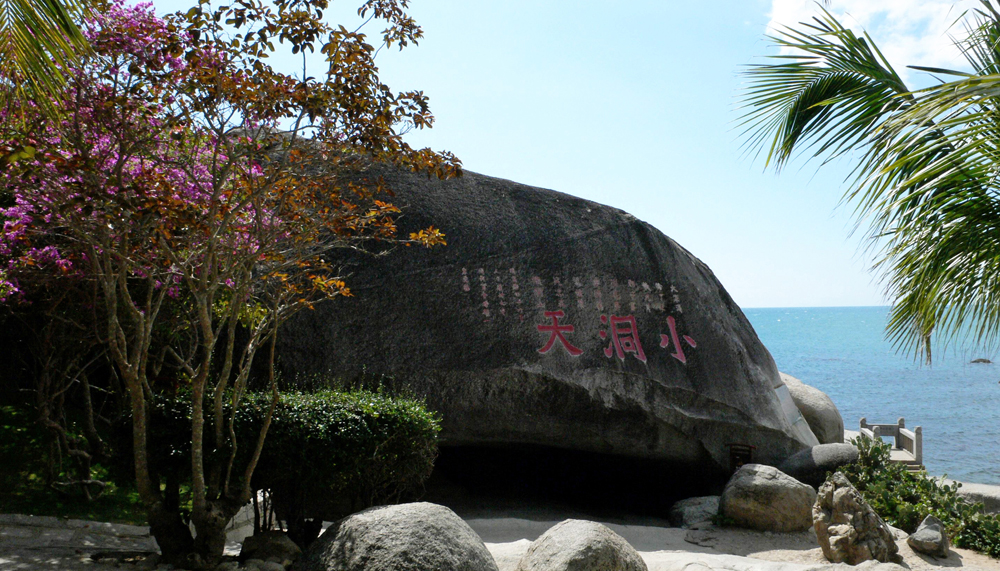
199, 191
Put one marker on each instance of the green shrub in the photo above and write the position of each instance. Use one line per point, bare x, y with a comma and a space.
327, 453
903, 499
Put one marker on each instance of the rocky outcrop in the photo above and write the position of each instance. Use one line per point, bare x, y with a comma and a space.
555, 322
818, 409
847, 528
812, 465
274, 546
691, 511
405, 537
577, 545
929, 538
763, 498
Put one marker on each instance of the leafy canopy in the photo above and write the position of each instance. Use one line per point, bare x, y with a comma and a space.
200, 197
925, 165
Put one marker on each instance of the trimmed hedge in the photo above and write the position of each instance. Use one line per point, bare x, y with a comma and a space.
903, 499
327, 453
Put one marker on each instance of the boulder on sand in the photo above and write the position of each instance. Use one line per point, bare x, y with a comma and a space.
847, 528
404, 537
812, 465
929, 538
578, 545
553, 322
818, 409
691, 511
763, 498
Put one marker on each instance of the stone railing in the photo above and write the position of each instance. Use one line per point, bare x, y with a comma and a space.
909, 441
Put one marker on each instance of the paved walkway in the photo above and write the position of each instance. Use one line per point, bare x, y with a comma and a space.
35, 543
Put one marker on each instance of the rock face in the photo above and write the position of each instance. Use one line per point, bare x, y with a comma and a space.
762, 497
691, 511
556, 322
577, 545
811, 466
405, 537
818, 409
269, 546
930, 538
847, 528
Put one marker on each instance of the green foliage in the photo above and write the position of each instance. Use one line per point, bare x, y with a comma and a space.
904, 499
925, 165
327, 453
363, 447
23, 478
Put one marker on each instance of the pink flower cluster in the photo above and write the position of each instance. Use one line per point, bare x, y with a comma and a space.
121, 172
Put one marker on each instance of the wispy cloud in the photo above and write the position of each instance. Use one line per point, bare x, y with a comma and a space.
909, 32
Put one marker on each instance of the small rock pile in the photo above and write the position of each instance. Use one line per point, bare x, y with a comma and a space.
847, 528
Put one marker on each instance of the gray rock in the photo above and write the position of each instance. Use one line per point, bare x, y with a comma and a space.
818, 409
847, 528
260, 565
691, 511
930, 538
764, 498
269, 545
577, 545
228, 566
897, 533
812, 465
405, 537
472, 327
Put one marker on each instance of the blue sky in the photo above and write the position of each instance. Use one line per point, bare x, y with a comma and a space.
635, 105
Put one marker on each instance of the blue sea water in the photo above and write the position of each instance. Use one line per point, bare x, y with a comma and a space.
842, 351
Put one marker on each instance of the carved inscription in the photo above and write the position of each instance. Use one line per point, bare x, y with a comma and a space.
499, 297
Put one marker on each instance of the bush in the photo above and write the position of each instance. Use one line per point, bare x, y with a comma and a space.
903, 499
327, 453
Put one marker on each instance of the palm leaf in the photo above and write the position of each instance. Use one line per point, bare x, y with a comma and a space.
38, 40
926, 184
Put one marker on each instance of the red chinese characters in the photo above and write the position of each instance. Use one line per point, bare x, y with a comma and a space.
556, 331
624, 335
621, 333
678, 350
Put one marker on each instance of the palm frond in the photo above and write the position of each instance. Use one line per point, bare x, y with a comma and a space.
828, 94
926, 184
38, 40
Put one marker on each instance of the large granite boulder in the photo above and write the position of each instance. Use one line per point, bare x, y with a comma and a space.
404, 537
818, 409
811, 466
847, 528
553, 322
763, 498
578, 545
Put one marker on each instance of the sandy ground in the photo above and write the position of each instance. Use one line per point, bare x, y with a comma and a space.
663, 548
669, 548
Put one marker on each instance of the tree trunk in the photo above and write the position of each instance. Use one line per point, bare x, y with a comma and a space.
210, 528
173, 537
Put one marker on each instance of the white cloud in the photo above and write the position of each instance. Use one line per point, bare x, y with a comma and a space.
909, 32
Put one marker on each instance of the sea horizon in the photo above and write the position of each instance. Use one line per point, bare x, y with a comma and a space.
842, 351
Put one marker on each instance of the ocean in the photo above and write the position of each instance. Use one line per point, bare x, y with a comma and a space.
843, 352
